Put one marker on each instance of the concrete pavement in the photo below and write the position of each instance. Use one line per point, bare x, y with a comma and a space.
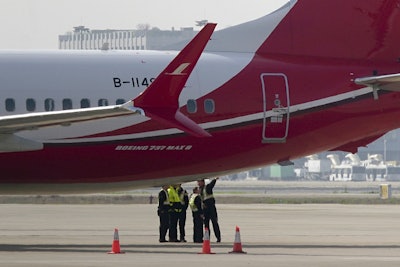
272, 235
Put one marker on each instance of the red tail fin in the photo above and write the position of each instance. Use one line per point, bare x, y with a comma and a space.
357, 29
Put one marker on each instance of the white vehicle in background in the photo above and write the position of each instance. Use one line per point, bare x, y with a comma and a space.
379, 170
350, 169
316, 168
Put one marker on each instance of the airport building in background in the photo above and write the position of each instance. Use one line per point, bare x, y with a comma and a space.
82, 38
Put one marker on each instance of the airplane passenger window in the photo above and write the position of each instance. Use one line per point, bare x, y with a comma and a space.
30, 104
10, 104
120, 101
103, 102
85, 103
191, 106
67, 103
209, 106
49, 104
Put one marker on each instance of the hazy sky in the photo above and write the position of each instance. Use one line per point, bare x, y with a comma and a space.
36, 24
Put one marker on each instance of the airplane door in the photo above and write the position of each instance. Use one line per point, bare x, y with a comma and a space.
275, 89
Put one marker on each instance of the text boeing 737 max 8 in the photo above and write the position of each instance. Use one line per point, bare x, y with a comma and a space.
311, 76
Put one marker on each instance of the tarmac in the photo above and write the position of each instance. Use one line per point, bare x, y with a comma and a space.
271, 234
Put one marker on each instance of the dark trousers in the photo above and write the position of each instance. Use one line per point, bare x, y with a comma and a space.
182, 222
164, 224
210, 213
197, 228
173, 224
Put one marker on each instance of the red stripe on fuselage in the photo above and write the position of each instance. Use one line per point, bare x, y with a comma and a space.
232, 149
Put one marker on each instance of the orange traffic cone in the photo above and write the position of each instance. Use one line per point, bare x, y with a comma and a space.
237, 245
115, 245
206, 243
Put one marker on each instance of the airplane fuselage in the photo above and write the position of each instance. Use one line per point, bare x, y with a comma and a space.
311, 76
242, 94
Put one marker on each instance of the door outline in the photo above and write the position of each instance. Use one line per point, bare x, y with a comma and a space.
278, 113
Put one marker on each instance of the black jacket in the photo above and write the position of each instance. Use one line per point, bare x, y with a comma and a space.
209, 190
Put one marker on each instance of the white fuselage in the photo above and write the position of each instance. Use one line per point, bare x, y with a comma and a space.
57, 80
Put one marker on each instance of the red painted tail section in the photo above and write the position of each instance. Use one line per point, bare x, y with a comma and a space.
354, 29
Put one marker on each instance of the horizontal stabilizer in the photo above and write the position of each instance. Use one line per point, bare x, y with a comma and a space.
390, 82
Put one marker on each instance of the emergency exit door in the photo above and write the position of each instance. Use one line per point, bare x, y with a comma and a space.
275, 89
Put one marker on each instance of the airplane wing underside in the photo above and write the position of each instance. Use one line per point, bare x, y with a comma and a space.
9, 125
160, 102
31, 121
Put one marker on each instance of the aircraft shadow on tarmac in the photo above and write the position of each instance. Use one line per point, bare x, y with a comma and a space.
165, 248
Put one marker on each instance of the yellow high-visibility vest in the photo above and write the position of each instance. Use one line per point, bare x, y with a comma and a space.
192, 205
205, 196
174, 198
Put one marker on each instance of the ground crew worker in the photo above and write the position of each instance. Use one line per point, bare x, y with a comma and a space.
209, 209
175, 209
198, 217
184, 198
163, 212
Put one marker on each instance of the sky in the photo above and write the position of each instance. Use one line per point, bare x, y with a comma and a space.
36, 24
